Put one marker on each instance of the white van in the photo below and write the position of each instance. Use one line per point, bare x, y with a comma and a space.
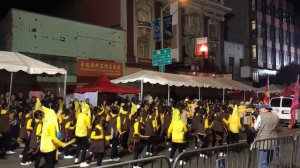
282, 107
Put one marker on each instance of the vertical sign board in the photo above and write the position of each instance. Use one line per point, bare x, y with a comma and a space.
202, 47
156, 31
168, 34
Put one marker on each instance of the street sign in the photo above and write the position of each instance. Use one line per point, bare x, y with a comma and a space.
162, 57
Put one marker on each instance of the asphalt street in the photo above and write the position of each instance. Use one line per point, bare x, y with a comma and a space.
13, 161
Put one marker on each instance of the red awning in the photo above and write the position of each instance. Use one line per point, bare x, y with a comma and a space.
103, 84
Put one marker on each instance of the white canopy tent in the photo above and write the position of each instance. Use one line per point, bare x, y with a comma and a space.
14, 62
178, 80
272, 89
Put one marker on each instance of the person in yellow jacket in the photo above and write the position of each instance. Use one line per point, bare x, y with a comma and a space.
49, 141
234, 126
177, 130
83, 125
123, 125
25, 133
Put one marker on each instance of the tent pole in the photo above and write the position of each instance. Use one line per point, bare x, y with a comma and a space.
10, 85
199, 93
65, 85
223, 96
142, 90
168, 95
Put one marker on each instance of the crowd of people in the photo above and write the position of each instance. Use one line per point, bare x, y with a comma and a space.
51, 126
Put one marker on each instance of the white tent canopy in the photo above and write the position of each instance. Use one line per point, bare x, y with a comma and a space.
178, 80
14, 62
272, 89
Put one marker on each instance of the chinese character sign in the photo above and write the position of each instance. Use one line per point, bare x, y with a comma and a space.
99, 68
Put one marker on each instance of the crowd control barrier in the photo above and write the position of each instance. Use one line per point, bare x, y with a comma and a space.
296, 154
150, 162
229, 156
272, 152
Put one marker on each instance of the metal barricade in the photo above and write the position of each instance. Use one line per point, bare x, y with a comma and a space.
272, 152
150, 162
296, 152
229, 156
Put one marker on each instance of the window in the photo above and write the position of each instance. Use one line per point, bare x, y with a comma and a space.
287, 38
263, 30
253, 5
286, 102
253, 27
241, 62
284, 16
264, 55
269, 55
280, 13
255, 77
281, 57
231, 65
277, 58
263, 6
258, 29
254, 56
280, 36
272, 33
275, 102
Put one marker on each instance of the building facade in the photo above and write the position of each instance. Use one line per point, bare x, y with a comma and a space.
270, 36
190, 19
85, 51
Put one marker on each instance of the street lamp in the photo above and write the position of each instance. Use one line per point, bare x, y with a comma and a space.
162, 20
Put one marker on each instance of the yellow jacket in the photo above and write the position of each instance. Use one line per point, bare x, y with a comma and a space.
49, 142
82, 125
177, 128
234, 121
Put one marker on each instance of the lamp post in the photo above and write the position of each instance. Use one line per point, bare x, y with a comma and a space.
162, 21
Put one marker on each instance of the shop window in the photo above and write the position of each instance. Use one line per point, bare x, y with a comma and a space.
254, 53
253, 5
253, 27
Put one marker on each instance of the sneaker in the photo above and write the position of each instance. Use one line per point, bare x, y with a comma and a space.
116, 159
183, 150
203, 156
150, 154
169, 149
221, 154
136, 167
25, 164
68, 157
181, 162
171, 160
20, 156
10, 152
196, 147
147, 153
76, 160
84, 164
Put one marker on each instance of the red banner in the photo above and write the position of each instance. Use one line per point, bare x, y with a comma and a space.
99, 68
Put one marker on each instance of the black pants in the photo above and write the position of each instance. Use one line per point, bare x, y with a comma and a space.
114, 148
250, 134
138, 148
175, 146
233, 137
81, 145
99, 157
150, 142
203, 139
38, 159
124, 139
217, 137
50, 158
25, 151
